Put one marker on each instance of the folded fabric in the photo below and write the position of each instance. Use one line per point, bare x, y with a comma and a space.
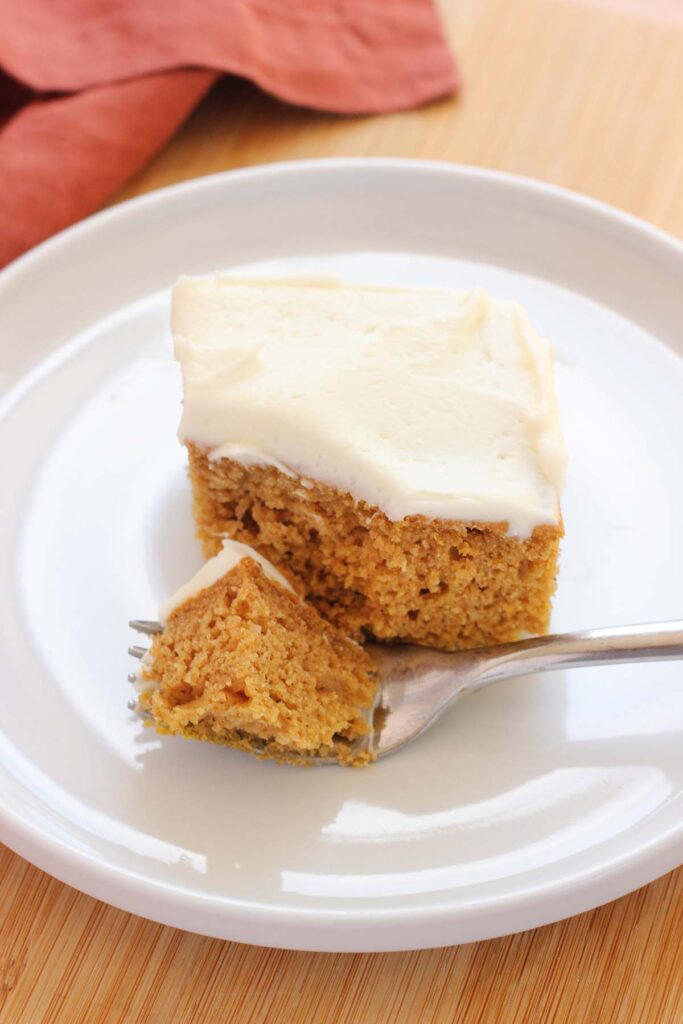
92, 88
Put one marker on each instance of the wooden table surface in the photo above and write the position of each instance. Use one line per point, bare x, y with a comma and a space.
585, 94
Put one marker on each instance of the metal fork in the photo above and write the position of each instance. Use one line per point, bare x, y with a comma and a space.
417, 684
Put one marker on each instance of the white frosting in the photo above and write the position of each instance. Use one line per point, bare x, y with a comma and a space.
419, 401
248, 455
233, 552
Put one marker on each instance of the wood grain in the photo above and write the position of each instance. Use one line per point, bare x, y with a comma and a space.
583, 96
68, 958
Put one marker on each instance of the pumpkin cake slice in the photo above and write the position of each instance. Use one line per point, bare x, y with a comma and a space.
398, 449
243, 661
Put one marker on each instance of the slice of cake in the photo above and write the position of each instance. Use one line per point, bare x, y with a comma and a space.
243, 661
396, 451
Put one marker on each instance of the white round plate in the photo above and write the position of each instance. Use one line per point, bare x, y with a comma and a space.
529, 802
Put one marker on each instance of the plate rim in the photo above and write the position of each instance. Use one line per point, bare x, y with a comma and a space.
346, 928
524, 183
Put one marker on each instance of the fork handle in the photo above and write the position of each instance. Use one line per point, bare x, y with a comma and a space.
659, 641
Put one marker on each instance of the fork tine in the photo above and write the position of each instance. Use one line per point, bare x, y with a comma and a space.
137, 652
134, 706
133, 677
146, 626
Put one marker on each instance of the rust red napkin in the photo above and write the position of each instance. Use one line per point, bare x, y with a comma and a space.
92, 88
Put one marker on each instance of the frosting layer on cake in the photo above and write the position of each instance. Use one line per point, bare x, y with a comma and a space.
232, 553
431, 402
